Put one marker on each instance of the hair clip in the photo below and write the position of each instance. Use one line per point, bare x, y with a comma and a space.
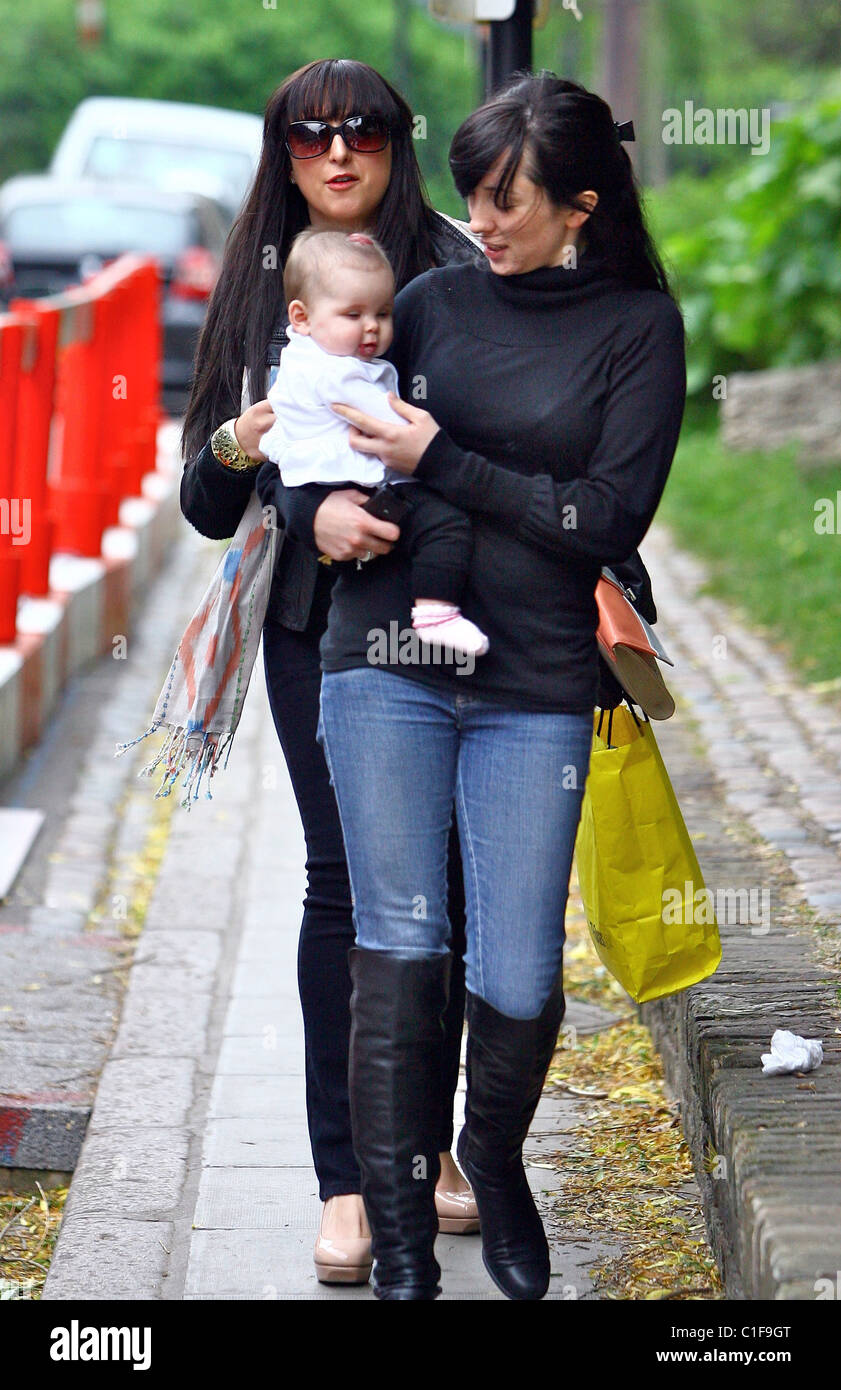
624, 130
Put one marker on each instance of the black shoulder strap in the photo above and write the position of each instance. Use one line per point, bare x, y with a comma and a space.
278, 340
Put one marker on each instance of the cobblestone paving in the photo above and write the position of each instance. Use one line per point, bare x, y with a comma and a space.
763, 804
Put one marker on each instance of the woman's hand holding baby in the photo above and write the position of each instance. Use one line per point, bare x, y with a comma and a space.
249, 429
401, 448
344, 531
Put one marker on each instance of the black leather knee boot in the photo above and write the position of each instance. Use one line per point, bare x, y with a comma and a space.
507, 1061
394, 1078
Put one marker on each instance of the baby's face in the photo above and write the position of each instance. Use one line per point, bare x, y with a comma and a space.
356, 320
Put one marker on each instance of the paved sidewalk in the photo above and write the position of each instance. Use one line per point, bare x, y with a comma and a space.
64, 938
195, 1178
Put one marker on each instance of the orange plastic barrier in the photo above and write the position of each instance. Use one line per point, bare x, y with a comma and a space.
35, 395
79, 391
12, 514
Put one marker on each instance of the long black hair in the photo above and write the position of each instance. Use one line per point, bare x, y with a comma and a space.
248, 296
570, 144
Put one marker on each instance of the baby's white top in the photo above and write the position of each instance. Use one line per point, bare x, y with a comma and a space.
308, 441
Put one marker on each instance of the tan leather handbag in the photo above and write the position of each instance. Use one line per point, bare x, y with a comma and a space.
631, 649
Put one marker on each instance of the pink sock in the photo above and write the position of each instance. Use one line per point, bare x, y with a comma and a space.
446, 627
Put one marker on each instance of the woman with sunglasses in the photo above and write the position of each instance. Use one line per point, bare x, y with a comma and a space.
337, 153
554, 390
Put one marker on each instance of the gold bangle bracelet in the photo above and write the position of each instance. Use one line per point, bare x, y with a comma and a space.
228, 451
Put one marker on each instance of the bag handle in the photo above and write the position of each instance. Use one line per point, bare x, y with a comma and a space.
602, 714
645, 719
639, 723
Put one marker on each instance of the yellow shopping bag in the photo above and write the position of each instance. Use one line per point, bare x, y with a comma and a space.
649, 913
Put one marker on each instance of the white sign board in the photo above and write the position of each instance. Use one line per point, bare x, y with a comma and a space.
472, 11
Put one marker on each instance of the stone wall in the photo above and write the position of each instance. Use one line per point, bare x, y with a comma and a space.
764, 410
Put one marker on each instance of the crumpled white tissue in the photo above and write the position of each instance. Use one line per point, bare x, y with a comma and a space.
790, 1052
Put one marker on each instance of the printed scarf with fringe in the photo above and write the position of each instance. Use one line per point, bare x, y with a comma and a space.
203, 695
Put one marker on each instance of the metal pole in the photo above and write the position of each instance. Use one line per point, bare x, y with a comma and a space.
509, 46
622, 61
402, 49
481, 44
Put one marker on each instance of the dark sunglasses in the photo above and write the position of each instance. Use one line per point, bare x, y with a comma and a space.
362, 134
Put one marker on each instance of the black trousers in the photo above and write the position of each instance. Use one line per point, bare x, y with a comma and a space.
437, 537
293, 677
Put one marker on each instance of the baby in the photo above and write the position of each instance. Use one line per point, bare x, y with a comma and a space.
339, 290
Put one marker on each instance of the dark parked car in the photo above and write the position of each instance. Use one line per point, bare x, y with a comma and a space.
54, 233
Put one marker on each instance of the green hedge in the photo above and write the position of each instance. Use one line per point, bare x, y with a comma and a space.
756, 256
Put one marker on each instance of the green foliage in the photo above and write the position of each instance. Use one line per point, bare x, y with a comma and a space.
757, 254
723, 55
235, 52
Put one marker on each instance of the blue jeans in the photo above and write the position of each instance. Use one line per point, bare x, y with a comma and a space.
400, 753
293, 677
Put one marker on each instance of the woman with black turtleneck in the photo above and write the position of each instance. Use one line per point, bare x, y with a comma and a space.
553, 383
545, 373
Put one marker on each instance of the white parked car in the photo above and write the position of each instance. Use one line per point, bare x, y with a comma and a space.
169, 144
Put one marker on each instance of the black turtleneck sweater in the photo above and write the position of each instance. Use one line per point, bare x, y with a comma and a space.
560, 395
